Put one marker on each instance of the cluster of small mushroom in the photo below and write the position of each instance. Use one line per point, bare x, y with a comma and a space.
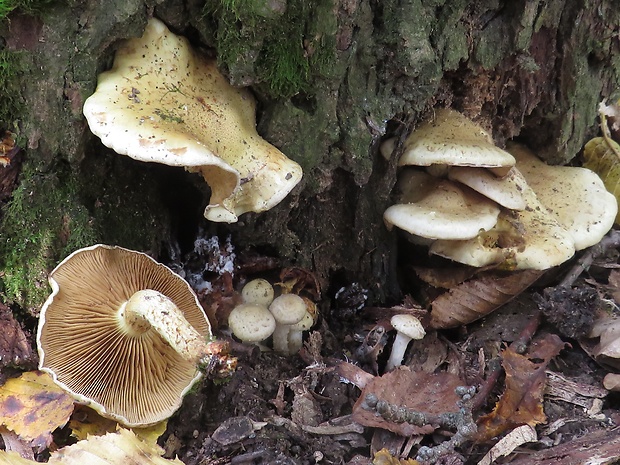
261, 316
479, 205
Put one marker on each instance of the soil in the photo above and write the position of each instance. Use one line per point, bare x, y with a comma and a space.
301, 409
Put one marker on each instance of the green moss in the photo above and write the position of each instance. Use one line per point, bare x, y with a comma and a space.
38, 231
10, 99
273, 44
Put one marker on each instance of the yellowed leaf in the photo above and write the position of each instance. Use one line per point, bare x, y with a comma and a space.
383, 457
33, 406
86, 422
112, 449
13, 458
601, 155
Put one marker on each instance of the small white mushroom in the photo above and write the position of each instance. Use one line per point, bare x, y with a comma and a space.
288, 310
296, 333
258, 291
251, 322
408, 327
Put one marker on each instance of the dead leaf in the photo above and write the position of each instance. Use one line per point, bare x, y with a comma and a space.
112, 449
521, 402
383, 457
33, 406
517, 437
300, 281
14, 347
430, 393
478, 297
86, 422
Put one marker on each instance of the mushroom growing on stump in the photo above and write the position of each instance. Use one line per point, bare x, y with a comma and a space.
450, 139
122, 334
407, 327
163, 102
439, 208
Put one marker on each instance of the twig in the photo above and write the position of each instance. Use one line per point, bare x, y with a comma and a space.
612, 240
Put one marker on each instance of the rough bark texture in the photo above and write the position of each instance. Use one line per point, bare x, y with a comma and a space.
333, 77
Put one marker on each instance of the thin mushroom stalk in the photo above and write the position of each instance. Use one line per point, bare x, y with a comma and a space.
149, 309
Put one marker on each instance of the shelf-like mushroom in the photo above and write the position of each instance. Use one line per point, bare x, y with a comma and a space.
451, 139
122, 334
439, 208
163, 102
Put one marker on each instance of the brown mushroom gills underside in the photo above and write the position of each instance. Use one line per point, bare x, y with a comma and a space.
137, 379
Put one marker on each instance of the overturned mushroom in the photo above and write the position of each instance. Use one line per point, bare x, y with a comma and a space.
122, 334
163, 102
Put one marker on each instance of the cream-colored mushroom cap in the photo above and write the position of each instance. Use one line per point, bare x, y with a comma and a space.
127, 373
576, 196
528, 239
503, 190
163, 102
251, 322
452, 139
441, 209
258, 291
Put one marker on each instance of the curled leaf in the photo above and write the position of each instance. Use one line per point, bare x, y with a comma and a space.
478, 297
522, 401
602, 155
112, 449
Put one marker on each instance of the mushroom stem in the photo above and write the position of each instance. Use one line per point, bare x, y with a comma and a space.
398, 351
148, 309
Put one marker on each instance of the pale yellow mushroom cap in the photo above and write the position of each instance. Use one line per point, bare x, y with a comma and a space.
163, 102
440, 209
576, 196
133, 377
449, 138
528, 239
503, 190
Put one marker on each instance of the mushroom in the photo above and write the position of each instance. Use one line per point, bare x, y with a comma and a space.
576, 196
407, 327
122, 334
440, 209
451, 139
258, 291
505, 190
288, 310
528, 239
251, 322
163, 102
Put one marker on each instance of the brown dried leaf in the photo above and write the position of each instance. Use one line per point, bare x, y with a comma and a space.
300, 281
431, 393
521, 402
33, 406
478, 297
614, 283
14, 347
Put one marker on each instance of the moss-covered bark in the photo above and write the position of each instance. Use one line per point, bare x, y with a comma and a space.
333, 77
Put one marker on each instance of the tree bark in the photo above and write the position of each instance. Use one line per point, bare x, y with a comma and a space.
333, 79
